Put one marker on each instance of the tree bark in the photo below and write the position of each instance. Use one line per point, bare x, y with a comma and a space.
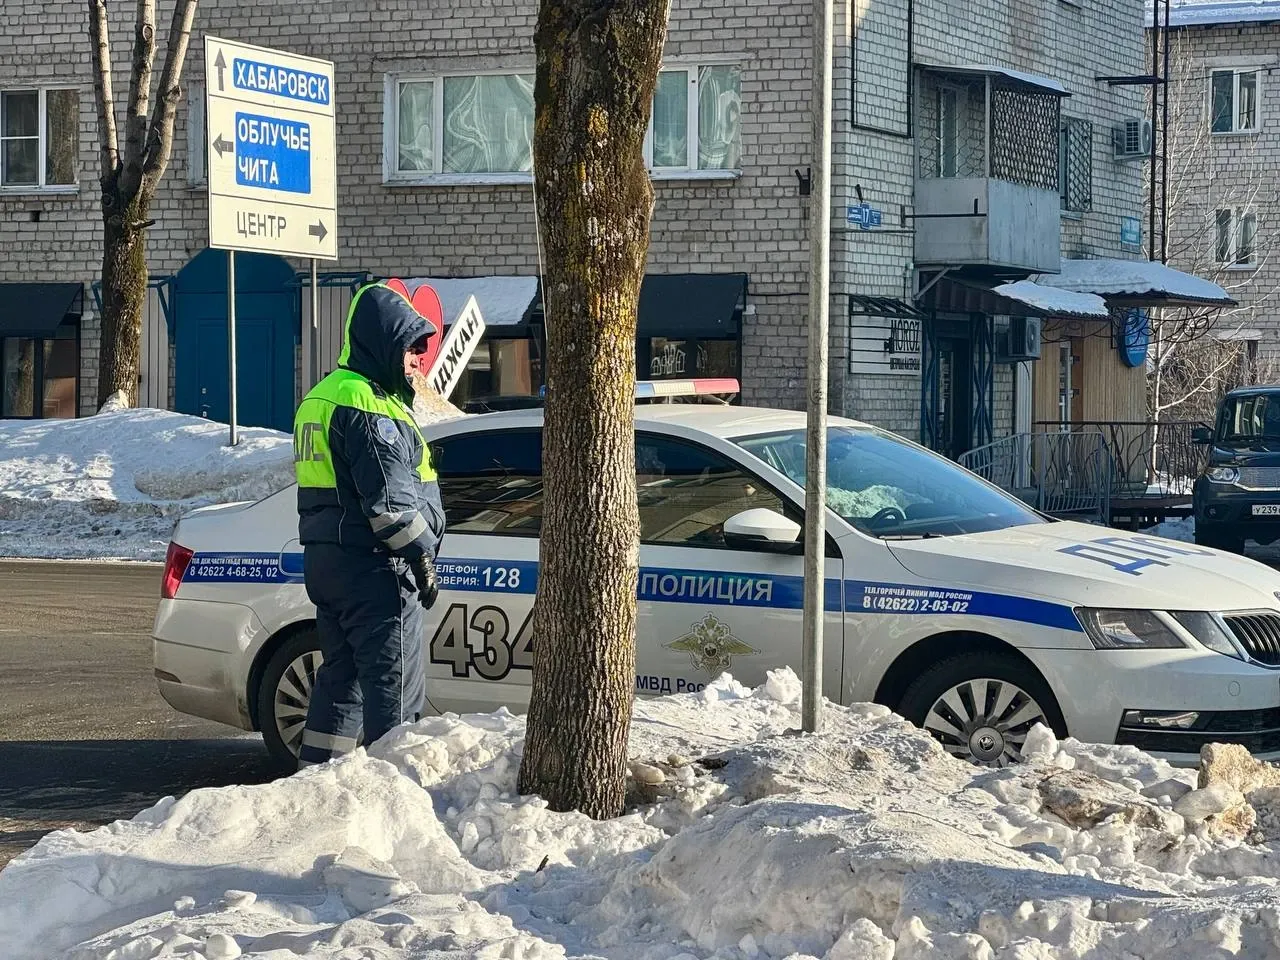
129, 180
597, 67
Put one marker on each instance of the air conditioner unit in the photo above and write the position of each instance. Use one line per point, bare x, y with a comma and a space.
1022, 340
1131, 140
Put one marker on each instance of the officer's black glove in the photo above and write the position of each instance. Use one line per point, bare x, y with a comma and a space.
424, 574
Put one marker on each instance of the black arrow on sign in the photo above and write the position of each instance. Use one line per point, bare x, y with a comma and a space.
221, 64
317, 230
223, 146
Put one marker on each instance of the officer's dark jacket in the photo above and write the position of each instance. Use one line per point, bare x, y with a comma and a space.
365, 479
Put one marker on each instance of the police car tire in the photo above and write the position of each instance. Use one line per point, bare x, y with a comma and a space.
924, 691
302, 642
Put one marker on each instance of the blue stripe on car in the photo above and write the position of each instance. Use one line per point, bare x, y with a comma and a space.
674, 585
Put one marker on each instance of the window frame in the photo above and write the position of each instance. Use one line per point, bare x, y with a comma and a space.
1237, 70
1071, 206
1235, 221
38, 371
958, 113
42, 140
393, 176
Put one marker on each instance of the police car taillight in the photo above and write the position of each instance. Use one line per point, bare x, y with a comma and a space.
175, 568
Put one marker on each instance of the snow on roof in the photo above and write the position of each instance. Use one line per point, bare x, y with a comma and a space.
1054, 301
503, 301
1134, 278
991, 70
1190, 13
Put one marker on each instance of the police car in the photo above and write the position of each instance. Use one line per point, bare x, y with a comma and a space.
946, 599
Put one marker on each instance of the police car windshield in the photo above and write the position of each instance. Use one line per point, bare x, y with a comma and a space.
892, 489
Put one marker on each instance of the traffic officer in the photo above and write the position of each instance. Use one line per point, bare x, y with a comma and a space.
370, 522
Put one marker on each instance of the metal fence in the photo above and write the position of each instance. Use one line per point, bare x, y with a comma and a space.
1061, 474
1149, 458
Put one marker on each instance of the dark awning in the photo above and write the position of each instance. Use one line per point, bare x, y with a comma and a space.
691, 306
889, 308
37, 309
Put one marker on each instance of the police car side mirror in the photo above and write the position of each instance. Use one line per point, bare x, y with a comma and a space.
761, 529
1202, 436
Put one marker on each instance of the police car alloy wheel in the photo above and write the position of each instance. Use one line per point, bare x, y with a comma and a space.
981, 706
284, 695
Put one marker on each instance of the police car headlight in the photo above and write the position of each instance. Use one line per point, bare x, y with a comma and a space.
1206, 628
1127, 630
1222, 474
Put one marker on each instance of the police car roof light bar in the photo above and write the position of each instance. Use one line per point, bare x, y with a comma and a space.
702, 387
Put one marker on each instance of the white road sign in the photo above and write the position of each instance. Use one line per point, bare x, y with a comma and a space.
272, 170
464, 335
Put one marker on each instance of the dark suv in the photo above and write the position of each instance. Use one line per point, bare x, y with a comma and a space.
1237, 497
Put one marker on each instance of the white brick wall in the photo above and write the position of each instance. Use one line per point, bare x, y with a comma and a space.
755, 224
1210, 171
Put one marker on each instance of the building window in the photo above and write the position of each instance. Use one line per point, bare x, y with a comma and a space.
1075, 165
39, 138
39, 375
1236, 237
481, 126
1234, 96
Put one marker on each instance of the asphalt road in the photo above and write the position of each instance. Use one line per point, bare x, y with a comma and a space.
84, 736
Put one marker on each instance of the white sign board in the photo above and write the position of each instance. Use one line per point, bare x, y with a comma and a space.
884, 346
463, 338
271, 146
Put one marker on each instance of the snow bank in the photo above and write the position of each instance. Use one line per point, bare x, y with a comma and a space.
1183, 528
113, 485
866, 842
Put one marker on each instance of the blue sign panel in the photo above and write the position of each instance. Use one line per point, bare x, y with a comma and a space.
273, 153
1131, 231
863, 216
280, 81
1133, 337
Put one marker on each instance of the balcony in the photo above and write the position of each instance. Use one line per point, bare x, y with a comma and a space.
987, 155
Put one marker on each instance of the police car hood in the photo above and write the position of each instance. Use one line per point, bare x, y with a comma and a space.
1083, 565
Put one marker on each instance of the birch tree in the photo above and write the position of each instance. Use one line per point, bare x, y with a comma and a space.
130, 174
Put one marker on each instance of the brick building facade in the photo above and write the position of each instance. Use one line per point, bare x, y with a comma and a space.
730, 151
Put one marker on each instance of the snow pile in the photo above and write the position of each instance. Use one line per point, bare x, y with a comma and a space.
1182, 528
865, 842
113, 485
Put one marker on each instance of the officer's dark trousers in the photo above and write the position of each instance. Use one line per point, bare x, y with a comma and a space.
370, 625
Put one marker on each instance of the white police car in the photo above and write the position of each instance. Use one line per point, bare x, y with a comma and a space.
946, 599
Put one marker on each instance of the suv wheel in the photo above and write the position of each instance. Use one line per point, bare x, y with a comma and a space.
981, 706
284, 695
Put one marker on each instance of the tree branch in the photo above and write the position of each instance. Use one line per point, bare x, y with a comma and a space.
135, 126
168, 95
108, 140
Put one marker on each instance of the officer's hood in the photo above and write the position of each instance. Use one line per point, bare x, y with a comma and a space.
383, 325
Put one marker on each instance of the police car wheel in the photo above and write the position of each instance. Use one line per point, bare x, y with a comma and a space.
981, 706
284, 695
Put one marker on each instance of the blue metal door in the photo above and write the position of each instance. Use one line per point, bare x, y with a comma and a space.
266, 334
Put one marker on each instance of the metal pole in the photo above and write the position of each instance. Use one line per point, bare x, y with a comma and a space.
315, 326
231, 342
815, 496
1164, 138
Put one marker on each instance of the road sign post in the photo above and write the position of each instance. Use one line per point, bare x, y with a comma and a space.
272, 158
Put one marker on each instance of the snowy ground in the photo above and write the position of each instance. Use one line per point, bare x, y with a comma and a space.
866, 842
112, 485
1180, 528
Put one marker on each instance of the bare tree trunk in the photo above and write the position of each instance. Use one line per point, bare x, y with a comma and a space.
597, 67
23, 397
124, 295
130, 178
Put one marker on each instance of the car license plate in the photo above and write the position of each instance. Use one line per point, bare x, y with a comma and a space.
1266, 509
